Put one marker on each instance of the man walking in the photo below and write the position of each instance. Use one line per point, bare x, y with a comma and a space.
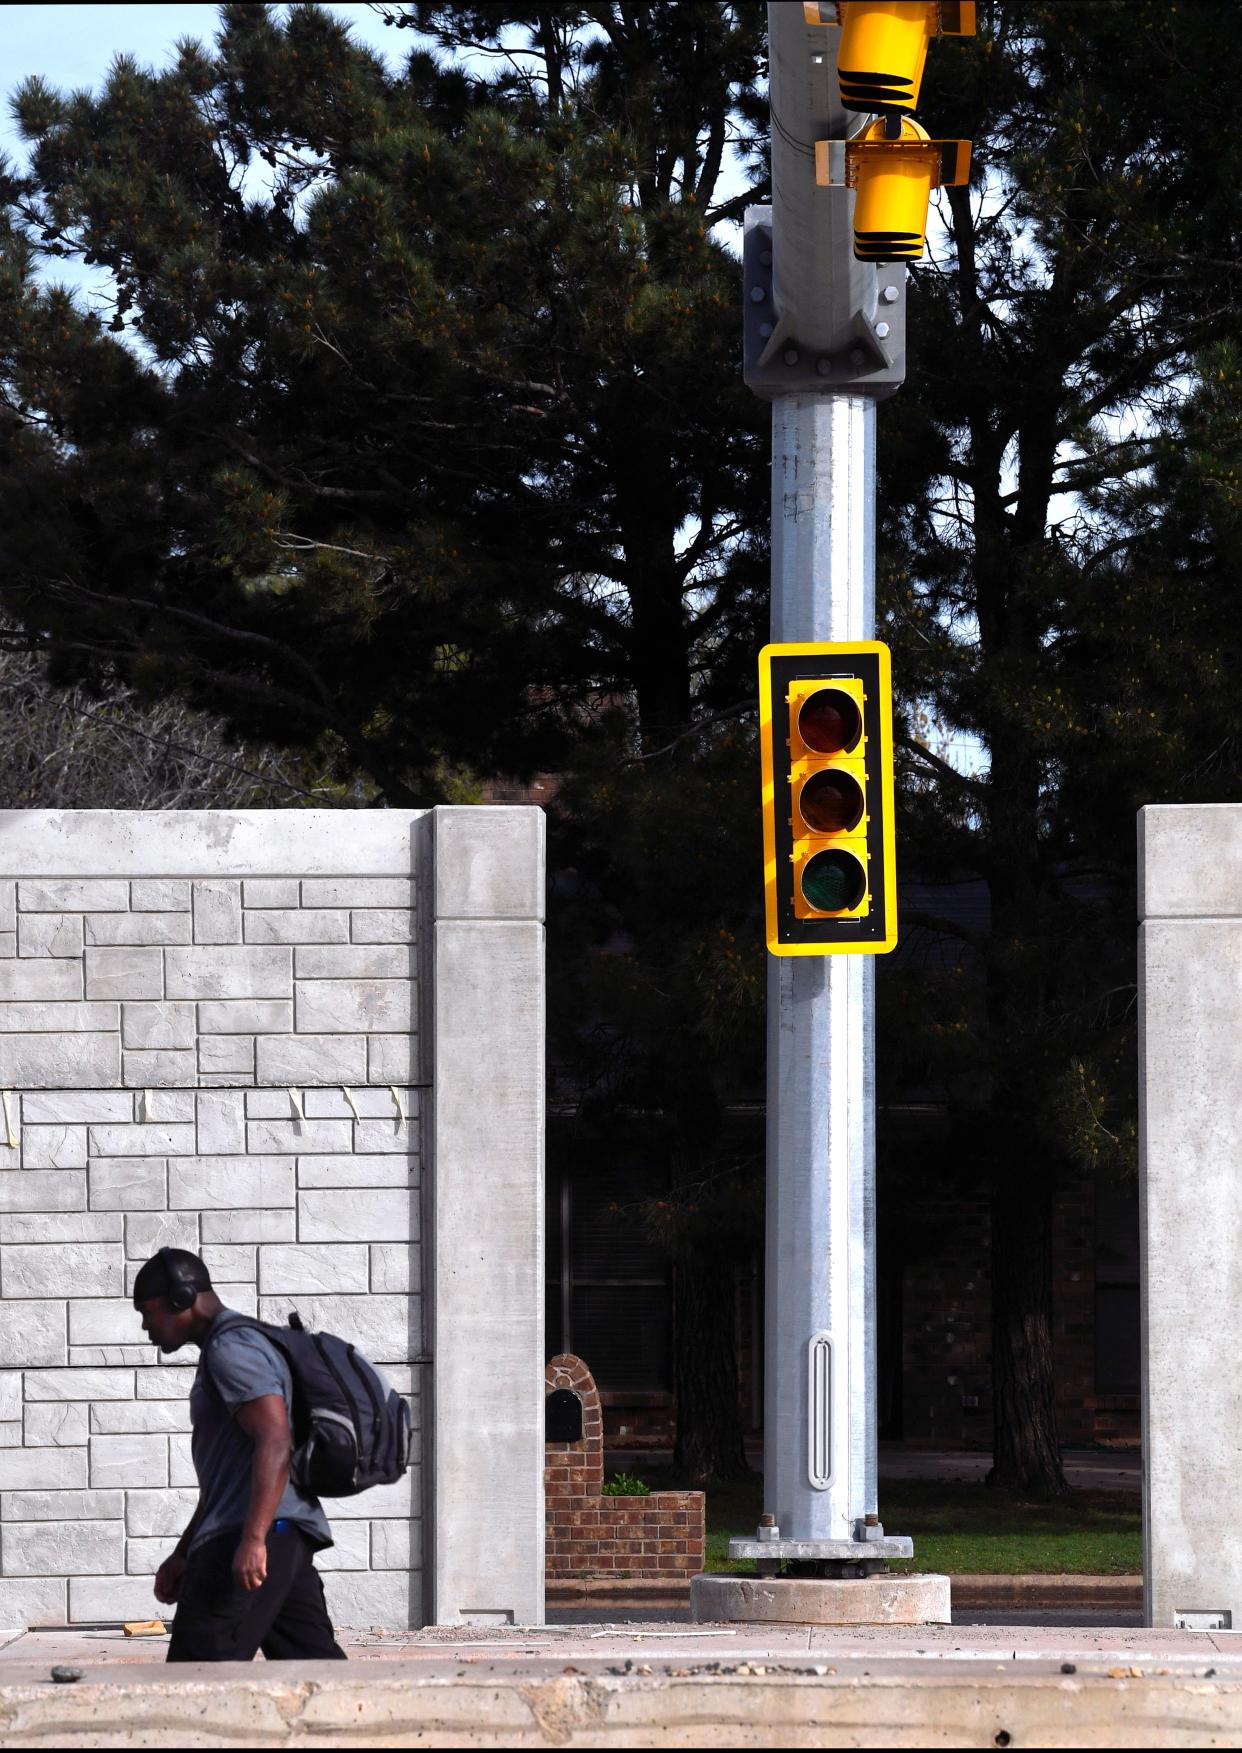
242, 1574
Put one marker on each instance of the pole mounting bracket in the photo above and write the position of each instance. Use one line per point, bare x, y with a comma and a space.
870, 362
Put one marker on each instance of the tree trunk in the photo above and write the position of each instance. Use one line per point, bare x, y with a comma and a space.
1026, 1453
1007, 543
659, 656
705, 1381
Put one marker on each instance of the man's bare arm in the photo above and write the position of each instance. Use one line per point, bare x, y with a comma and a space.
168, 1576
266, 1422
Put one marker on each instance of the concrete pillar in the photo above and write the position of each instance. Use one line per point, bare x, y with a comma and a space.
487, 1029
1190, 1165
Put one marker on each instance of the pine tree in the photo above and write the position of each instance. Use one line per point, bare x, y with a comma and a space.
1050, 350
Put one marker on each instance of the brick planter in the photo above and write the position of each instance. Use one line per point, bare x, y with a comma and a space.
593, 1536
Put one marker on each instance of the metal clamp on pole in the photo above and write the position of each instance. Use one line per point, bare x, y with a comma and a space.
816, 317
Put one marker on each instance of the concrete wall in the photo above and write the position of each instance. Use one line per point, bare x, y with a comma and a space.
486, 1225
224, 1031
1190, 906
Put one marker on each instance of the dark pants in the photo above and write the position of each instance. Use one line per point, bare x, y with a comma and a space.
219, 1621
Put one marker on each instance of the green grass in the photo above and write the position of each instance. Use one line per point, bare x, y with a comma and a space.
965, 1528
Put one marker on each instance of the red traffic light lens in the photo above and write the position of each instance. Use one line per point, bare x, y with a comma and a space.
831, 802
833, 882
829, 721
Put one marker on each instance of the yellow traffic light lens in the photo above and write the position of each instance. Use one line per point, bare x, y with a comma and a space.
829, 722
831, 802
833, 882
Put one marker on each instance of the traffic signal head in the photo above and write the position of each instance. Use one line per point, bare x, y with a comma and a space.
825, 719
884, 46
893, 181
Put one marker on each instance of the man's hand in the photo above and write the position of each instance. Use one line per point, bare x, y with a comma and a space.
168, 1578
250, 1562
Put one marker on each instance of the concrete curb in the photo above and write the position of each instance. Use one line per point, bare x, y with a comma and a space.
982, 1590
973, 1591
804, 1702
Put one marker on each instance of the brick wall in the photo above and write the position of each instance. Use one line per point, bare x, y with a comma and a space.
228, 1065
590, 1535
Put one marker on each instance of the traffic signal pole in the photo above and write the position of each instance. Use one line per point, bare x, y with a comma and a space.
821, 1036
823, 341
824, 281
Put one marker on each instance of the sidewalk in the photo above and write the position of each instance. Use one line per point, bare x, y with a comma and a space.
654, 1686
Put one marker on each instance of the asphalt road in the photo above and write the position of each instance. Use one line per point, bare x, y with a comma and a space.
1086, 1469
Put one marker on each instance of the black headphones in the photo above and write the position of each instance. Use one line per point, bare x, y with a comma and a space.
180, 1293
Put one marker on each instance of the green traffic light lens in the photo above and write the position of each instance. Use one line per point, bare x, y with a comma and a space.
829, 721
833, 882
831, 802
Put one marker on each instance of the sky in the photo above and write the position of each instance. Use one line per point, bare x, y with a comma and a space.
73, 45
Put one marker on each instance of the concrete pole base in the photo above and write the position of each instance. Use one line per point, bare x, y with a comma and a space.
921, 1599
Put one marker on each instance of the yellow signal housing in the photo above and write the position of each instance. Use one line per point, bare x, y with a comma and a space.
825, 718
893, 182
883, 48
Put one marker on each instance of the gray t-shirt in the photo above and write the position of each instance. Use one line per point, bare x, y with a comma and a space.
244, 1366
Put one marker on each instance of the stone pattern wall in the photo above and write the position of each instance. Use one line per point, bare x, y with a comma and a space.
657, 1537
164, 982
231, 1066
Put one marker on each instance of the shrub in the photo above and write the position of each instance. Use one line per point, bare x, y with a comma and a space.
625, 1485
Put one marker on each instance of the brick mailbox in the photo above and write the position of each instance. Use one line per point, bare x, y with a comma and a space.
650, 1540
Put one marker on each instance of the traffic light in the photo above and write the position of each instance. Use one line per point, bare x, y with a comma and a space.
893, 181
884, 46
826, 737
891, 164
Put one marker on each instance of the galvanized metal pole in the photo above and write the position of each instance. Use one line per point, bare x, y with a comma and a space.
821, 1045
824, 340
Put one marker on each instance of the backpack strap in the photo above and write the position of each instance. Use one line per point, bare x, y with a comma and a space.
233, 1322
229, 1324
